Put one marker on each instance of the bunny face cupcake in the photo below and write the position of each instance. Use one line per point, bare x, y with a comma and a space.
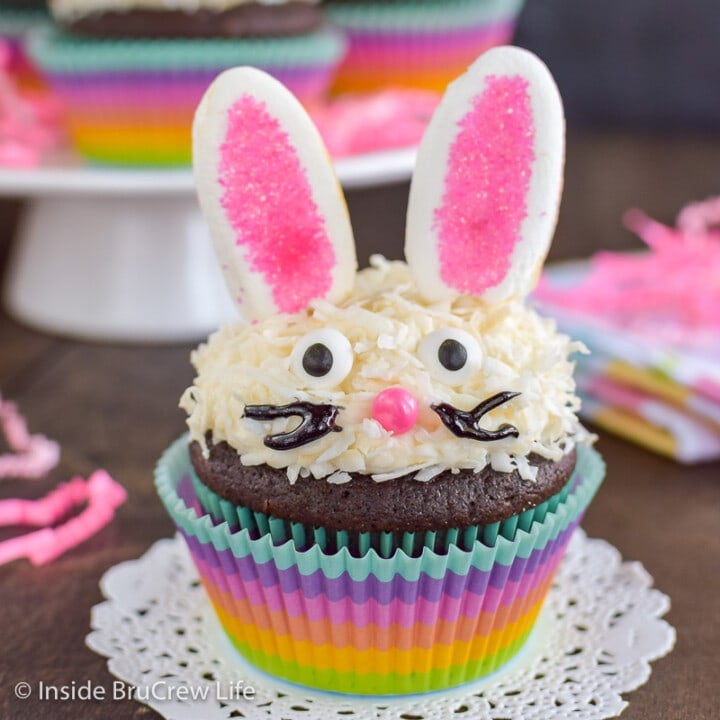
395, 449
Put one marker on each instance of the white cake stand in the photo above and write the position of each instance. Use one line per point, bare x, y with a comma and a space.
124, 254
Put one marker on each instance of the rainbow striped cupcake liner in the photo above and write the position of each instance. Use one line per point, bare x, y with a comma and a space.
417, 43
132, 101
374, 625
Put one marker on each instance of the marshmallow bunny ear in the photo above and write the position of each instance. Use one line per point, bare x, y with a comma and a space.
269, 194
486, 189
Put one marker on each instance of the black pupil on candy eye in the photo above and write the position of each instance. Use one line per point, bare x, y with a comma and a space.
452, 354
317, 360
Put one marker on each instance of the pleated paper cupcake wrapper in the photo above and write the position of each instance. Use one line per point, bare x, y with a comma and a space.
358, 543
417, 44
374, 625
14, 24
417, 16
132, 101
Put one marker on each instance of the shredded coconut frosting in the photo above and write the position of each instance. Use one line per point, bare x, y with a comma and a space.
385, 319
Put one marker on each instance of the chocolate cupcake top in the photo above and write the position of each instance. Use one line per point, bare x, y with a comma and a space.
187, 18
73, 9
420, 368
452, 500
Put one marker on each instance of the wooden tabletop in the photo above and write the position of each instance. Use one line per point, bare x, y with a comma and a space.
115, 407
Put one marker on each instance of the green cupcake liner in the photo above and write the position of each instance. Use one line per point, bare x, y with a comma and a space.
175, 465
59, 52
418, 15
257, 524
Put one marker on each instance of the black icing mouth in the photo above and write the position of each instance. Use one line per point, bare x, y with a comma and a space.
465, 424
316, 421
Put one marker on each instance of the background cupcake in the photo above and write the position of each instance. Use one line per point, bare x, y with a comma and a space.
385, 467
130, 99
417, 43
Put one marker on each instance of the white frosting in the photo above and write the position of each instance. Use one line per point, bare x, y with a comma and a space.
385, 318
75, 9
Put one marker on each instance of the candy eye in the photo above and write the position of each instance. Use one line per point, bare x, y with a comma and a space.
450, 355
322, 358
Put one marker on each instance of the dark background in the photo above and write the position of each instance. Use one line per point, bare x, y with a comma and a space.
634, 63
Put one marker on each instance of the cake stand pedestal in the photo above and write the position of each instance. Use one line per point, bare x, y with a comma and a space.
116, 268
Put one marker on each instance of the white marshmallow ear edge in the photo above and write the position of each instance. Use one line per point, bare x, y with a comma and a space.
545, 190
252, 295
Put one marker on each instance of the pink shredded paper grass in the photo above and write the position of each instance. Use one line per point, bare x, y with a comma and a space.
671, 292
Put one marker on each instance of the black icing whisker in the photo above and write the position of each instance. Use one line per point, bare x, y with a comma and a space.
466, 424
316, 421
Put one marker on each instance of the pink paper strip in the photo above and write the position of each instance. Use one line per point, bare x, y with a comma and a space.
103, 496
31, 456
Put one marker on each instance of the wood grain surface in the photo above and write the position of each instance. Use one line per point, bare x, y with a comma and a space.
115, 406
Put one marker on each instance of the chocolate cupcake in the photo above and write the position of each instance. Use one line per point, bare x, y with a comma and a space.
469, 498
384, 467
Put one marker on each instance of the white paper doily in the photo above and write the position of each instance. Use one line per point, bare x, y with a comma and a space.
599, 630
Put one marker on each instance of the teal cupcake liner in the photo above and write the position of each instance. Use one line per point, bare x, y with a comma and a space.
420, 15
15, 22
59, 52
174, 468
257, 524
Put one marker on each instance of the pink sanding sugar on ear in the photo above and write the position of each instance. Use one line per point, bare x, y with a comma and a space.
269, 203
486, 187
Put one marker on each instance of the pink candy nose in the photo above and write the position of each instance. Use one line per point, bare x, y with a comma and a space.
395, 409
